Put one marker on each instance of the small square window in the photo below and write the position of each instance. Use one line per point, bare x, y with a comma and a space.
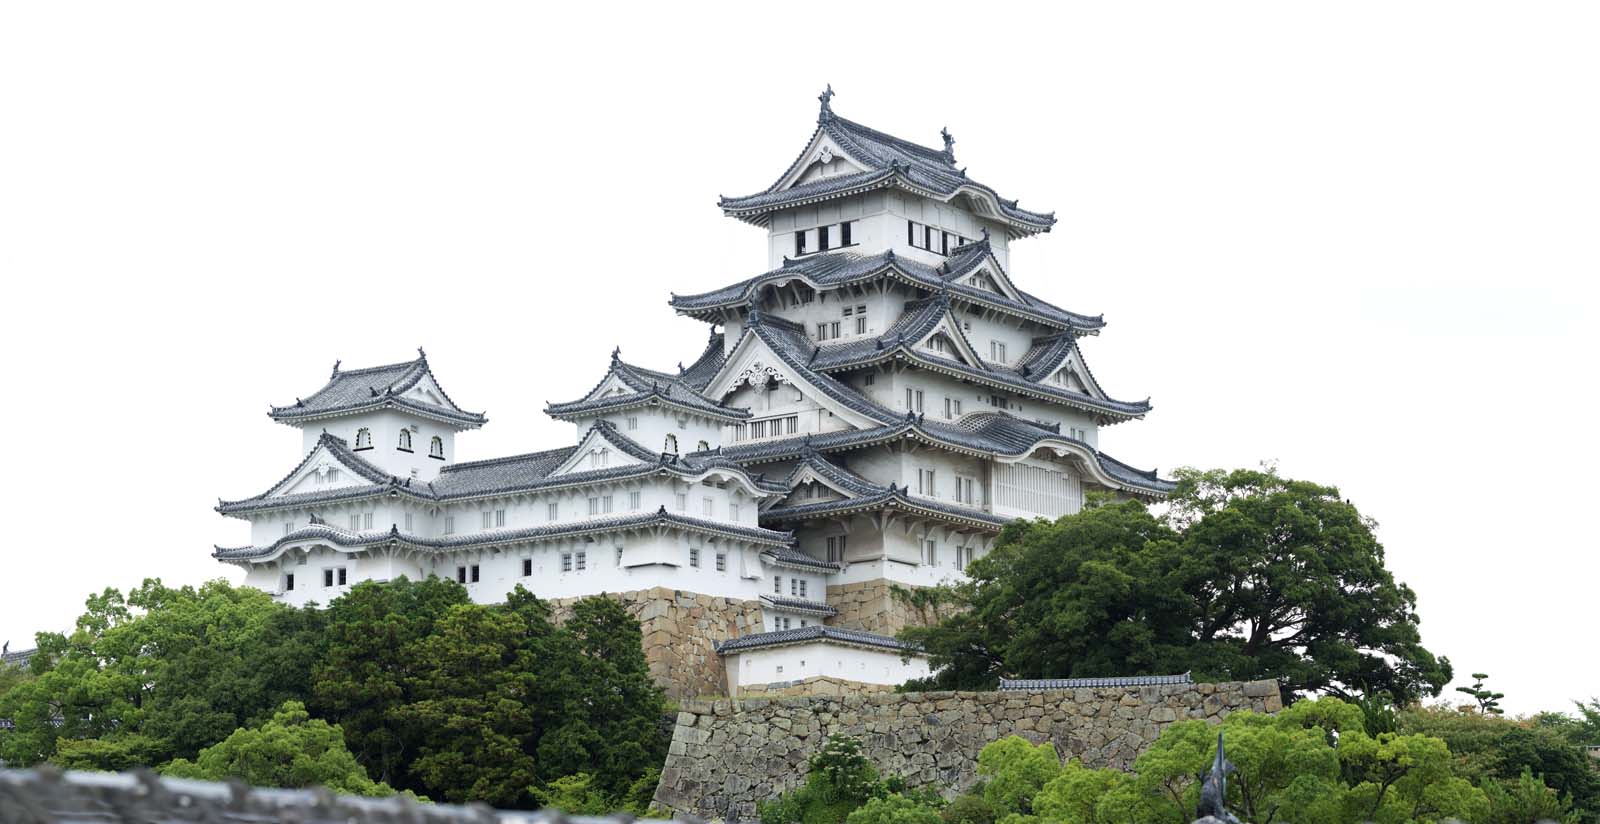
722, 562
583, 561
694, 557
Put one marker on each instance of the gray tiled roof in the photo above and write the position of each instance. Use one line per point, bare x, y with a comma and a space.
376, 387
833, 472
651, 387
920, 318
50, 796
799, 605
345, 538
1076, 683
836, 269
866, 495
380, 482
499, 476
17, 657
791, 557
889, 161
989, 433
814, 633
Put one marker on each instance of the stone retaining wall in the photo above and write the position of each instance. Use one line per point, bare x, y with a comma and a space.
728, 755
681, 630
815, 685
872, 606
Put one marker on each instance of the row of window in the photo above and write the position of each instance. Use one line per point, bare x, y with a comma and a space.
930, 554
853, 321
768, 428
435, 445
966, 489
933, 239
797, 586
823, 238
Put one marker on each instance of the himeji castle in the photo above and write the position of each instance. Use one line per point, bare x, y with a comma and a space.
866, 415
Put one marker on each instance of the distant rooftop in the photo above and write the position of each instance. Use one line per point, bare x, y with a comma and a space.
1022, 684
409, 386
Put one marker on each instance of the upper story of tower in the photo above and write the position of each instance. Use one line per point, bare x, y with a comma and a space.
396, 416
858, 189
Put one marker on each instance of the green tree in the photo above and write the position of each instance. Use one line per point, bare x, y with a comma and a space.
839, 780
1488, 700
1014, 771
895, 809
158, 674
368, 669
1249, 576
291, 750
1526, 800
1493, 748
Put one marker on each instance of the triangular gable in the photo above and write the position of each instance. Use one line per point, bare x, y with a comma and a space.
1074, 375
602, 447
325, 468
989, 276
754, 362
426, 390
823, 158
947, 340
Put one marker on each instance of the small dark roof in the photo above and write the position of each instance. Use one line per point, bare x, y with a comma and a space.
651, 387
791, 557
17, 657
376, 387
394, 537
1076, 683
888, 161
814, 633
799, 605
833, 270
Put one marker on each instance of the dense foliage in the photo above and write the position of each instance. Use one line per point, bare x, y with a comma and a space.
403, 684
1249, 575
1315, 763
291, 750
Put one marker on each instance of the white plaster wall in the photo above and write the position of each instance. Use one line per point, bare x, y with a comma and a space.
866, 235
794, 662
385, 426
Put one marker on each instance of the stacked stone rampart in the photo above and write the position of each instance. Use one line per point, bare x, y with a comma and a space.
681, 630
727, 756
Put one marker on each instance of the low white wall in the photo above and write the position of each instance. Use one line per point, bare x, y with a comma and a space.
793, 662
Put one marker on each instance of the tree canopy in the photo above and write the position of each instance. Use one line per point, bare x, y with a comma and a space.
1248, 576
291, 750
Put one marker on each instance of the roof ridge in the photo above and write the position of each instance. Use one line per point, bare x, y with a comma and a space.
504, 459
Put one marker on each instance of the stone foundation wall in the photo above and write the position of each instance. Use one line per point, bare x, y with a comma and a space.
680, 633
815, 685
728, 755
872, 606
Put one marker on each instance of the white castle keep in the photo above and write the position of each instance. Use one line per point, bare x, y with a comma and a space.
867, 414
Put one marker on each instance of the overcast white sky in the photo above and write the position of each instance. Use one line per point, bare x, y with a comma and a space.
1359, 239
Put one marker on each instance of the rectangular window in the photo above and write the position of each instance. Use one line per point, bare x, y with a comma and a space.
833, 329
911, 233
408, 522
966, 490
844, 232
288, 526
527, 567
822, 332
633, 500
997, 351
706, 504
913, 400
869, 380
288, 582
794, 586
952, 408
486, 515
682, 502
722, 562
583, 560
327, 577
594, 506
449, 524
799, 243
822, 238
930, 553
461, 574
566, 562
925, 482
605, 503
619, 556
366, 520
927, 238
552, 511
733, 512
499, 517
474, 573
836, 549
694, 556
355, 522
777, 584
633, 423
